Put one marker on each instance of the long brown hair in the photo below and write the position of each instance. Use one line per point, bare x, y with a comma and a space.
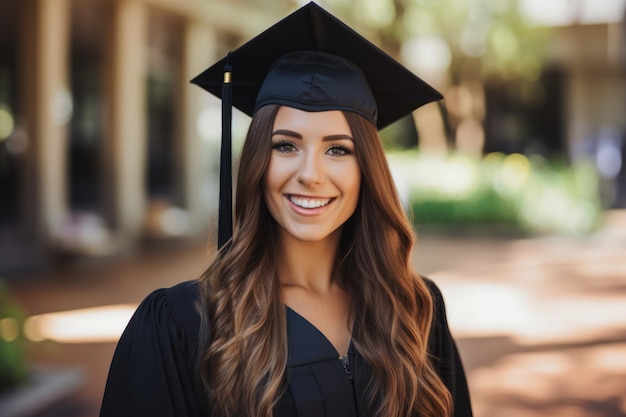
244, 362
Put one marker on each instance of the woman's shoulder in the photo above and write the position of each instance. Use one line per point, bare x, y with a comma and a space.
154, 370
180, 296
185, 304
179, 305
434, 290
445, 355
439, 326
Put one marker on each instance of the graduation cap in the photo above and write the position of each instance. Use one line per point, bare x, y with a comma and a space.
312, 61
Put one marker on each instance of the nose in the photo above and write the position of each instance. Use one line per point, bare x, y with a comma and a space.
311, 171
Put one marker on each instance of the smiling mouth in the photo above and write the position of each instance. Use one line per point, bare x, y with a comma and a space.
309, 203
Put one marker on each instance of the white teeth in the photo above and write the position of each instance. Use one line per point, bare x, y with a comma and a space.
309, 202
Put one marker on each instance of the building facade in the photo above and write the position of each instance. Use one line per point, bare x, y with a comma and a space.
105, 144
101, 139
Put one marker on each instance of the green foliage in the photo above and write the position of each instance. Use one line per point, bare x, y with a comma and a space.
530, 195
13, 367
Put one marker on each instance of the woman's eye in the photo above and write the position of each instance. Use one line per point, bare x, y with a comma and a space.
284, 147
338, 151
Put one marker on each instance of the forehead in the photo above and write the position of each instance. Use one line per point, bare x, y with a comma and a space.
321, 123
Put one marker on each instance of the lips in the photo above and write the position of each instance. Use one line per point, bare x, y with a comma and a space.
309, 203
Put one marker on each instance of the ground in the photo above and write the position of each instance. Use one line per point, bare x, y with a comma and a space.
540, 321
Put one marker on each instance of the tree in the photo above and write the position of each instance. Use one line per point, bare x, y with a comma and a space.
457, 45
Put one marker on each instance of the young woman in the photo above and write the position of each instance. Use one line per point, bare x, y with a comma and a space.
312, 307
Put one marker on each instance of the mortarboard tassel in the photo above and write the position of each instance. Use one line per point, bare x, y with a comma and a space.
225, 222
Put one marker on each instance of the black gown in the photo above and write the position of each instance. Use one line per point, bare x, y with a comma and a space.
154, 370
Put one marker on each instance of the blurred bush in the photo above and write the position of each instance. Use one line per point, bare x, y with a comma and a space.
514, 192
13, 366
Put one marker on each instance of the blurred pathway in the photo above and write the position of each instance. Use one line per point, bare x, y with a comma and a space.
540, 322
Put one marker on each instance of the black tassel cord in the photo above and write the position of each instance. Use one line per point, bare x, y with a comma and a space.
225, 223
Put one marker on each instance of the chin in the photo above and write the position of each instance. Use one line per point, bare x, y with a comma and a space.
308, 237
313, 235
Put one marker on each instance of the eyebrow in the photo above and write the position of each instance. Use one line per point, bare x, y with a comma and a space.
297, 135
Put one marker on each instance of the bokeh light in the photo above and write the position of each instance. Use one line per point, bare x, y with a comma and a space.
9, 329
88, 325
378, 13
427, 54
514, 174
7, 123
62, 107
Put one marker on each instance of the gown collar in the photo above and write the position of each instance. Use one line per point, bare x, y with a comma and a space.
306, 343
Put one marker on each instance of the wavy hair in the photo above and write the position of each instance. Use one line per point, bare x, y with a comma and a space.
244, 355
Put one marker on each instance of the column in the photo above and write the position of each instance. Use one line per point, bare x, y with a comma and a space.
199, 52
125, 134
46, 105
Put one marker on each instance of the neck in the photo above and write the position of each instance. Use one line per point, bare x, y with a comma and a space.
307, 264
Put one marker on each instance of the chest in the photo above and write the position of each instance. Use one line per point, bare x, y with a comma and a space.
320, 382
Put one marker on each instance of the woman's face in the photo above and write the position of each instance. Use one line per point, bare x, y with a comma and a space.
312, 182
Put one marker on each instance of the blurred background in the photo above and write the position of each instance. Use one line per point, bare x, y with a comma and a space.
516, 183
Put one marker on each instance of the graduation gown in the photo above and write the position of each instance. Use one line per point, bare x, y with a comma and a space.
154, 369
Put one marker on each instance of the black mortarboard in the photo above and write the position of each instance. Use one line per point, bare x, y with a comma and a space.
312, 61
